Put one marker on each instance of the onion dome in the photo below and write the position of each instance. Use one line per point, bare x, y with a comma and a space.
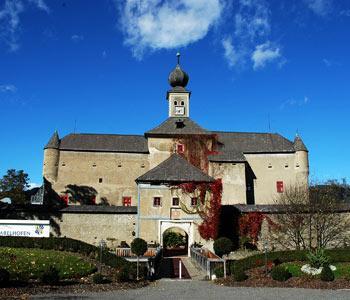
178, 77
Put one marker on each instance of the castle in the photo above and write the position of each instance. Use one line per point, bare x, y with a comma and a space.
139, 171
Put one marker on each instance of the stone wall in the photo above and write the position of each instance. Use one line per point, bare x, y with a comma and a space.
92, 228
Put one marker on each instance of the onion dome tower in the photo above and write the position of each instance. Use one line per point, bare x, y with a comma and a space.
178, 96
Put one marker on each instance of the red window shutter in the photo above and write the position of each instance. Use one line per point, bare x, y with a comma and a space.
279, 186
126, 201
93, 200
65, 198
194, 201
180, 148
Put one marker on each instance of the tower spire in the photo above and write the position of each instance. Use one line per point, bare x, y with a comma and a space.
178, 57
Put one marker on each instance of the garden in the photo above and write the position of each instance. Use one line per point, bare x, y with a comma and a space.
42, 265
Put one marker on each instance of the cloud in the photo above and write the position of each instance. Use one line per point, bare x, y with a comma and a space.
10, 20
8, 88
150, 25
249, 42
33, 185
293, 102
230, 54
264, 54
320, 7
76, 38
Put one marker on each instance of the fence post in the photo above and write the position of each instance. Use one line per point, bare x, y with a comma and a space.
208, 269
180, 269
224, 268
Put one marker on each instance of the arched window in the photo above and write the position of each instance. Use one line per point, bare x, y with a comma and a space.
175, 102
182, 103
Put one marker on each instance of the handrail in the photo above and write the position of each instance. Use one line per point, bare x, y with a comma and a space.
208, 264
126, 252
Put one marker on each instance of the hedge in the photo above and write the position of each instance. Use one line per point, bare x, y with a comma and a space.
64, 244
335, 255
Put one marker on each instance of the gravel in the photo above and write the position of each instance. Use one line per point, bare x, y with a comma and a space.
187, 289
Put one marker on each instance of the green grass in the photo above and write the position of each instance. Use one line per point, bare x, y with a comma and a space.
25, 263
342, 271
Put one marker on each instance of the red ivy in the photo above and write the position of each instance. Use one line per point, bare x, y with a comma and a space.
250, 225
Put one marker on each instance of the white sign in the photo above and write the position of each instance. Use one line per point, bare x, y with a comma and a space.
25, 228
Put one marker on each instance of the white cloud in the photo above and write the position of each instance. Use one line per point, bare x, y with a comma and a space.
264, 54
319, 7
8, 88
10, 20
156, 24
77, 38
249, 41
231, 54
294, 102
33, 185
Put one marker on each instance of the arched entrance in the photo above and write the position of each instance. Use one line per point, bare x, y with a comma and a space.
175, 242
178, 226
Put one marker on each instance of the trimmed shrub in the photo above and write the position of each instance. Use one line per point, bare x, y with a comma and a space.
222, 246
138, 246
239, 274
50, 276
4, 277
219, 272
327, 274
280, 273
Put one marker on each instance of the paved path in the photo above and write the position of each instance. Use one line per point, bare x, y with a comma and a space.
193, 269
202, 290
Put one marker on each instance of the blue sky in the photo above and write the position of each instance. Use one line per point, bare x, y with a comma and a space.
102, 66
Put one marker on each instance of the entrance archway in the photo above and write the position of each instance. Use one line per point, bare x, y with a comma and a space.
175, 242
184, 226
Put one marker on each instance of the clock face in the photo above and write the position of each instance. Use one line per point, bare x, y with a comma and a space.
179, 110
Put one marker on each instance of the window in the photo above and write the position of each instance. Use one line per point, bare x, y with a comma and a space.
65, 198
279, 186
176, 201
269, 166
100, 180
182, 103
156, 201
194, 201
94, 165
286, 165
180, 148
126, 201
175, 102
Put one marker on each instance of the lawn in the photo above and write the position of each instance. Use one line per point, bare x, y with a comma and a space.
25, 263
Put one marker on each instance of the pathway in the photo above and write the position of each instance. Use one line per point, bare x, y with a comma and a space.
203, 290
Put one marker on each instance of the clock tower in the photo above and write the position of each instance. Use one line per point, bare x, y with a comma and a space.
178, 96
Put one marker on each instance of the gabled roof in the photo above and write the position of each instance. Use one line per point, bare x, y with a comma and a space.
177, 126
54, 142
175, 169
299, 144
105, 143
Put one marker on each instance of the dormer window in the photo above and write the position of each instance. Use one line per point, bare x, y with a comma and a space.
180, 123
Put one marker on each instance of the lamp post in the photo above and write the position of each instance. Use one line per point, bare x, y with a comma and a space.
265, 250
102, 245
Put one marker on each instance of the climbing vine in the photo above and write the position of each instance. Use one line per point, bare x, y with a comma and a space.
250, 225
197, 148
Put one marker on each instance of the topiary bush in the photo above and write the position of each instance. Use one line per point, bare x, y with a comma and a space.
4, 277
51, 276
327, 274
280, 273
222, 246
138, 246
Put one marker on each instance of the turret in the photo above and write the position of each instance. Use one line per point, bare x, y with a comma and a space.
51, 158
301, 160
178, 96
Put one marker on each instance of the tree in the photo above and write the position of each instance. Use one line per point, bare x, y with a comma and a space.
222, 246
13, 186
310, 217
139, 248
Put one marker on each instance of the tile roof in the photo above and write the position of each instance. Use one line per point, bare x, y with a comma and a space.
105, 143
175, 169
177, 126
